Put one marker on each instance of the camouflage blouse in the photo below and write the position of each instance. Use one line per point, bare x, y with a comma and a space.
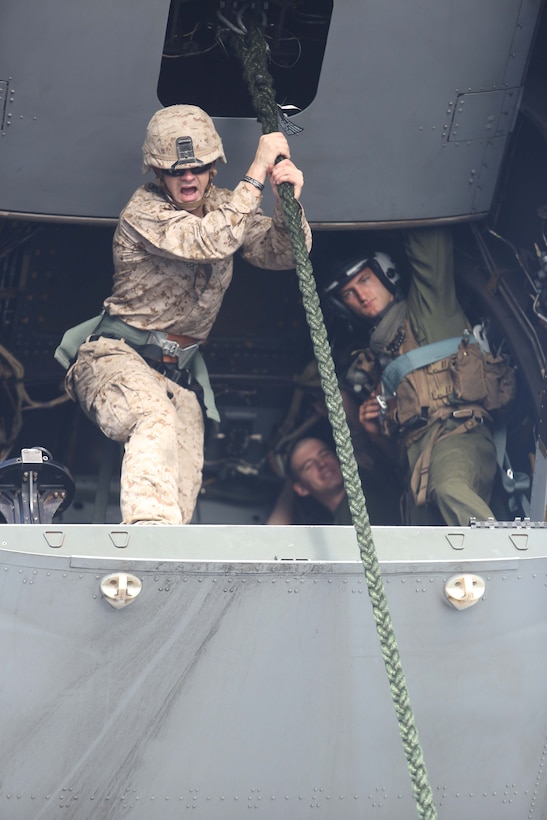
172, 268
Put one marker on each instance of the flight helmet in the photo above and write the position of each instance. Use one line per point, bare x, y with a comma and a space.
344, 270
180, 135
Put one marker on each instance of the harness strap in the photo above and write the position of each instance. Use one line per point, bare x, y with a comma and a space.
516, 484
402, 365
156, 347
117, 328
193, 369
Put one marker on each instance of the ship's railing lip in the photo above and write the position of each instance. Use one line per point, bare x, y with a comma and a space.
213, 544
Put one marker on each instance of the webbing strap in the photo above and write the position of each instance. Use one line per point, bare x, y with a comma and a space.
516, 484
252, 51
401, 366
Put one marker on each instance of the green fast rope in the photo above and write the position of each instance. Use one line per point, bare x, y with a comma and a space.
252, 51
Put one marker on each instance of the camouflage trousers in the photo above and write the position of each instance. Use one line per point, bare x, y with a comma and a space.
159, 423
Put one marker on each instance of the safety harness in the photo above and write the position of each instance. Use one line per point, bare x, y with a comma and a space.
493, 386
183, 365
399, 367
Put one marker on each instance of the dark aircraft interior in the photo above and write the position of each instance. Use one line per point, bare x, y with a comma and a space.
54, 275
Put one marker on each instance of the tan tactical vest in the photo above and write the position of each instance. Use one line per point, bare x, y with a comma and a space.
466, 383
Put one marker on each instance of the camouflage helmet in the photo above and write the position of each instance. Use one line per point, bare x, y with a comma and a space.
181, 135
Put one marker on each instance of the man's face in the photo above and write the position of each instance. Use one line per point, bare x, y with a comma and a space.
365, 295
187, 186
317, 468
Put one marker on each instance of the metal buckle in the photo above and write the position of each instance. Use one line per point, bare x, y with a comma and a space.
464, 413
169, 347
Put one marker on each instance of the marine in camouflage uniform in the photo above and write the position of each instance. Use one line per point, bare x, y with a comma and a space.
173, 251
444, 437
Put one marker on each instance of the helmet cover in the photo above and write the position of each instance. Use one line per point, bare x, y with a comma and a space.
180, 135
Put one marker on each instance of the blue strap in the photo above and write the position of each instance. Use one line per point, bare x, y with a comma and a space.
420, 357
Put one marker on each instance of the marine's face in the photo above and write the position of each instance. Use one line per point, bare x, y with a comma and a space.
365, 295
188, 185
317, 468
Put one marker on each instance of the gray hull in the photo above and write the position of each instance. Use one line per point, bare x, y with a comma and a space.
246, 677
414, 102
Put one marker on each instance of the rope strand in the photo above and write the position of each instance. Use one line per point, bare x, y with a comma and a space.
252, 52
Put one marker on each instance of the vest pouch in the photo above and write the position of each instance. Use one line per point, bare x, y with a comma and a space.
468, 375
501, 382
440, 384
482, 378
409, 400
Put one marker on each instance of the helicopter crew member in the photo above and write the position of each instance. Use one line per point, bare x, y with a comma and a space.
438, 408
314, 474
135, 375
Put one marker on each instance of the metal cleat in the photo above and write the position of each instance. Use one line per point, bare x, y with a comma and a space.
34, 488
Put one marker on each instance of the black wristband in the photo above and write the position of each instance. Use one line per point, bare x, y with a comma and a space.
255, 182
